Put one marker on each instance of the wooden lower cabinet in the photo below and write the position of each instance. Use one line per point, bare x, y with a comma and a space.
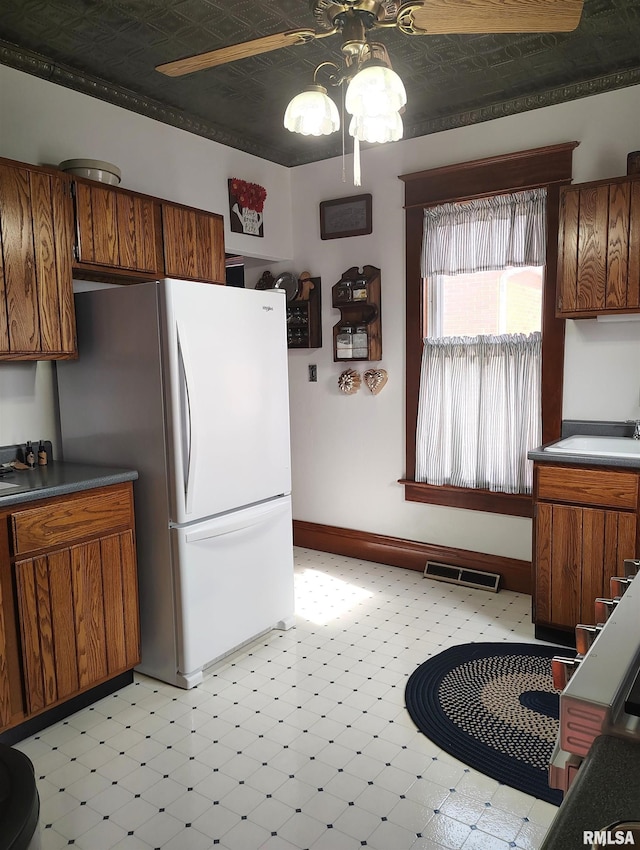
579, 546
5, 683
76, 605
78, 618
577, 551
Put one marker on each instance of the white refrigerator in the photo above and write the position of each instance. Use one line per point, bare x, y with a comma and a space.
187, 383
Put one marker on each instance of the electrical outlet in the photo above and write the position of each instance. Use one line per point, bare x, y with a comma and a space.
313, 372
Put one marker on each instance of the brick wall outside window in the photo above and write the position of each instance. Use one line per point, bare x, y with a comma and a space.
472, 303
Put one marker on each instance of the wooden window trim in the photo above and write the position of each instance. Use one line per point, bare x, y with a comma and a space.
549, 167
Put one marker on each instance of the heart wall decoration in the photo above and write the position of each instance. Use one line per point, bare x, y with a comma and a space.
375, 379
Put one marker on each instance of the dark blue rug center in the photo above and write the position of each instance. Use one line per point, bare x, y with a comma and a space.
541, 701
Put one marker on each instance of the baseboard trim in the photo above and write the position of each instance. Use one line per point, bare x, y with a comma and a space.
410, 554
64, 709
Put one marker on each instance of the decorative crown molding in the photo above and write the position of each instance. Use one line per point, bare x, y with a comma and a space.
40, 66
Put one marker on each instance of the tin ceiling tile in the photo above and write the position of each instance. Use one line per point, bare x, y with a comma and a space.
113, 46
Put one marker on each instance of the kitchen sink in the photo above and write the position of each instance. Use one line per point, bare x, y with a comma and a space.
581, 444
9, 485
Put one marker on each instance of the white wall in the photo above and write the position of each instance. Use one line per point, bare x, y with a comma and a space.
43, 124
349, 450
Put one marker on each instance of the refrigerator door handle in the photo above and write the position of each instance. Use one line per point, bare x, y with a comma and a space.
187, 435
233, 524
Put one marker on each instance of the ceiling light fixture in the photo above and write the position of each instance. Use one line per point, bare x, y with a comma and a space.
375, 97
312, 112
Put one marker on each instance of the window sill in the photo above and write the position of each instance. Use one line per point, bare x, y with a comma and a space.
468, 498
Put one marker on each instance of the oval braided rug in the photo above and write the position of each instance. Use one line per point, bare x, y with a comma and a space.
492, 706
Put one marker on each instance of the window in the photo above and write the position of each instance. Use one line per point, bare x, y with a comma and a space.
542, 168
505, 301
479, 400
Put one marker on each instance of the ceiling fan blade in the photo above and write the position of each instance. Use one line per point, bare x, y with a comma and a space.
236, 51
489, 16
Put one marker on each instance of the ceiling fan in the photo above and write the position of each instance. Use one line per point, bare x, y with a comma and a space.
354, 18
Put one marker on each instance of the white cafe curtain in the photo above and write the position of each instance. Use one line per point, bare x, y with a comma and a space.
479, 411
479, 408
485, 234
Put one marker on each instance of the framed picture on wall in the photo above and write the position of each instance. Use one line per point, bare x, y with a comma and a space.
345, 217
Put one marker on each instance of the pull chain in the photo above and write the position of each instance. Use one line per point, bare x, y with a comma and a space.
344, 172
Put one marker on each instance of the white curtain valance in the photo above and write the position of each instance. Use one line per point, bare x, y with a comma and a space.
479, 411
485, 234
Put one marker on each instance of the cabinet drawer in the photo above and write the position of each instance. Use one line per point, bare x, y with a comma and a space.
607, 489
63, 521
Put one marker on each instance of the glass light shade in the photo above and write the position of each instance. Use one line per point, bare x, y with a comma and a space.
377, 128
375, 90
312, 113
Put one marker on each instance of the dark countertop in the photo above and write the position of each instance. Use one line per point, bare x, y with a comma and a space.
570, 427
605, 792
58, 478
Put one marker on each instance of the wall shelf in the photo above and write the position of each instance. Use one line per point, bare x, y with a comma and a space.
304, 325
358, 334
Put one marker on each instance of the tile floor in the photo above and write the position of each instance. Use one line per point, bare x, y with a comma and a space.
298, 742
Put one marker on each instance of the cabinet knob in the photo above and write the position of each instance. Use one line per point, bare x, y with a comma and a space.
562, 669
631, 566
604, 609
618, 585
585, 636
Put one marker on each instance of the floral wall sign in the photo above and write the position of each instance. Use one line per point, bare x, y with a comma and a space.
246, 205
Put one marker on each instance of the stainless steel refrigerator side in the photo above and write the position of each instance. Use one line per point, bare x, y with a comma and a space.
111, 412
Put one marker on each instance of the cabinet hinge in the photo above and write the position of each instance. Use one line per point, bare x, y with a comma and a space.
72, 188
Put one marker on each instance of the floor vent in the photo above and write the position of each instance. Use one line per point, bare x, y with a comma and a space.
459, 575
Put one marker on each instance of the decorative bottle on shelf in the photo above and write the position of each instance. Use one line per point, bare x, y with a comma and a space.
360, 342
42, 454
29, 456
343, 292
359, 289
344, 343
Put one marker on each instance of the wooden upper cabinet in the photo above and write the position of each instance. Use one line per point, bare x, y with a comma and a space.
193, 243
116, 231
36, 288
599, 248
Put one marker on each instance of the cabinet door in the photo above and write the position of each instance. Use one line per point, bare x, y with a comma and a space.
5, 689
193, 242
115, 228
77, 609
577, 551
599, 248
11, 692
36, 288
